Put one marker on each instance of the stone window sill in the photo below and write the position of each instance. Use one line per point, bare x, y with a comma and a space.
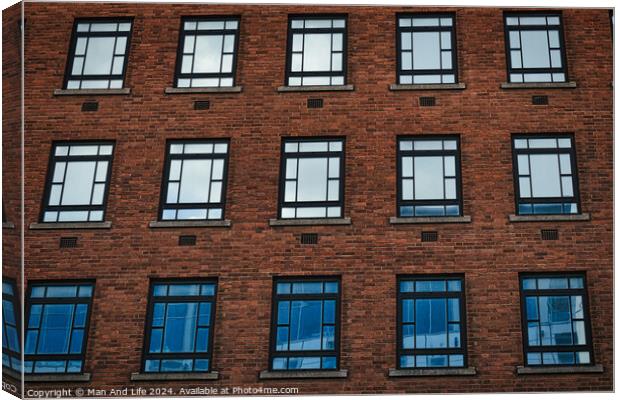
225, 223
465, 219
70, 225
83, 377
539, 85
343, 373
309, 221
8, 225
176, 376
317, 88
549, 218
90, 92
572, 369
202, 90
394, 373
438, 86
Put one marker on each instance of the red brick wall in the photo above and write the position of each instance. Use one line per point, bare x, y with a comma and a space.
368, 254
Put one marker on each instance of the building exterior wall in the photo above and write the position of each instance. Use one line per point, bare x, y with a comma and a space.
490, 251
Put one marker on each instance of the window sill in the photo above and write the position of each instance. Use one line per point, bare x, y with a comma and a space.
317, 88
573, 369
90, 92
394, 373
342, 373
549, 218
8, 225
83, 377
435, 86
175, 376
225, 223
309, 221
465, 219
70, 225
539, 85
201, 90
11, 373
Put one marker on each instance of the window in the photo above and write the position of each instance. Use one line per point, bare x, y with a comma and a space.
429, 177
317, 51
207, 52
305, 324
426, 49
545, 175
535, 48
57, 328
180, 327
195, 180
311, 183
556, 325
78, 181
11, 357
431, 322
98, 54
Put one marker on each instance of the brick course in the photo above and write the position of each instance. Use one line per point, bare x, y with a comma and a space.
369, 253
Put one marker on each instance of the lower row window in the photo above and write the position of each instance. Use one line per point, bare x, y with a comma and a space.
305, 330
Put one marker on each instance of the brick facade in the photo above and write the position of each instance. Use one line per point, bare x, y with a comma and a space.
369, 253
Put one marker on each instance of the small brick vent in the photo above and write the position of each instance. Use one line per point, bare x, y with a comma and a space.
90, 106
309, 238
68, 242
187, 240
202, 105
427, 102
315, 103
540, 100
430, 236
549, 234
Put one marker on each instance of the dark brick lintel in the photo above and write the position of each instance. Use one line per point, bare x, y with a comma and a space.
343, 373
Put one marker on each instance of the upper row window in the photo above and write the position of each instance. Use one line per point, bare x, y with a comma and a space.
316, 50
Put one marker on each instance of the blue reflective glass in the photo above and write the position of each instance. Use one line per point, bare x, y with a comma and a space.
283, 311
201, 365
407, 361
408, 334
431, 323
555, 321
454, 285
408, 314
204, 314
31, 342
74, 366
430, 361
184, 290
534, 359
160, 290
282, 338
329, 362
429, 211
331, 287
552, 283
158, 314
456, 360
279, 363
38, 291
304, 363
207, 290
180, 327
576, 283
85, 291
531, 307
452, 210
558, 358
156, 338
305, 327
454, 335
35, 316
525, 208
547, 208
308, 287
13, 342
329, 312
76, 341
151, 366
176, 365
529, 284
80, 316
454, 310
8, 312
5, 360
283, 288
7, 288
55, 329
406, 286
328, 337
202, 340
61, 291
49, 366
533, 334
406, 211
430, 286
